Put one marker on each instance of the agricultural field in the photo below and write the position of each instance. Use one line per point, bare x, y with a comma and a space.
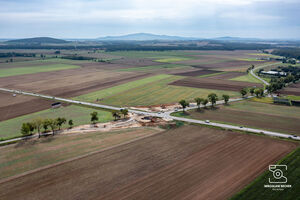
246, 78
256, 189
33, 154
214, 84
155, 68
248, 113
71, 82
176, 158
80, 115
154, 90
11, 107
36, 69
293, 89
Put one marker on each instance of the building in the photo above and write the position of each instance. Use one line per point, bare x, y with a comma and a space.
56, 105
274, 73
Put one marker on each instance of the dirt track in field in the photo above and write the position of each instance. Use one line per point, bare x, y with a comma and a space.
65, 83
215, 84
190, 162
197, 73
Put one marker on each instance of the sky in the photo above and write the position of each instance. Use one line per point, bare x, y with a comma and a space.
270, 19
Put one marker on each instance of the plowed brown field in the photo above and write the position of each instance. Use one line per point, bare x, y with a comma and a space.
190, 162
216, 84
293, 89
65, 83
198, 72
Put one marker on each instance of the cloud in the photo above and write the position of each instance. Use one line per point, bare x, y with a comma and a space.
157, 16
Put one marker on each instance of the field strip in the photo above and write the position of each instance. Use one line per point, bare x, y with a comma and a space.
75, 158
36, 69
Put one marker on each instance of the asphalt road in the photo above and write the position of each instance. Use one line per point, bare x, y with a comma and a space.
166, 115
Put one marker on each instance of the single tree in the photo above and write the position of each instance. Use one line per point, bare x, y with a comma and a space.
94, 117
261, 92
204, 102
213, 98
53, 123
184, 104
60, 121
25, 129
252, 91
31, 127
46, 124
124, 112
116, 115
38, 123
226, 98
199, 101
257, 92
243, 92
70, 123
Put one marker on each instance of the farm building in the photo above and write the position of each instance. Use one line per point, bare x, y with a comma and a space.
274, 73
56, 105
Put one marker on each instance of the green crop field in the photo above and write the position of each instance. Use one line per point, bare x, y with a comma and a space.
119, 89
256, 189
35, 69
155, 67
150, 91
246, 78
33, 154
80, 115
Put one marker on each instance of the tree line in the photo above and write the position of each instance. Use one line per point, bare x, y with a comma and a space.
44, 125
212, 98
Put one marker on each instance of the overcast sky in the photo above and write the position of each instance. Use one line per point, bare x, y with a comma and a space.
197, 18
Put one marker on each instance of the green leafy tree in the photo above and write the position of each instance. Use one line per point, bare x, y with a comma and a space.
261, 92
124, 112
243, 92
252, 91
213, 98
31, 127
257, 92
226, 98
94, 117
53, 124
204, 102
70, 122
25, 129
116, 115
38, 123
184, 104
46, 124
199, 101
60, 121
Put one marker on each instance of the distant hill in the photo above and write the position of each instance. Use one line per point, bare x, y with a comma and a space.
47, 40
144, 37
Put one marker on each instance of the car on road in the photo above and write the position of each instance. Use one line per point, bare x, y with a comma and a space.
207, 121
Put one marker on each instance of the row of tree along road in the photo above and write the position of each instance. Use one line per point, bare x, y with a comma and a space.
42, 126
